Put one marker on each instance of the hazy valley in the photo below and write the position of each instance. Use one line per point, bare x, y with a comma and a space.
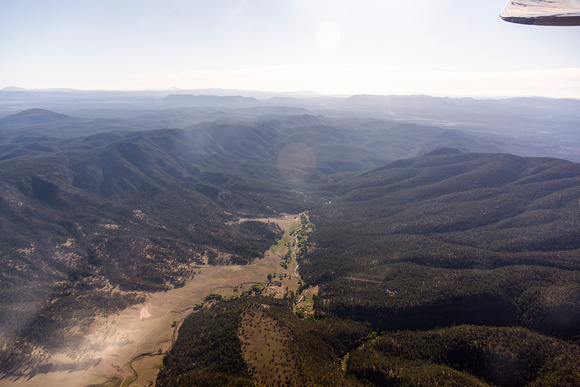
432, 247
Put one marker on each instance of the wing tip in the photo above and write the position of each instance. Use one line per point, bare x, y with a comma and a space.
517, 20
569, 21
516, 12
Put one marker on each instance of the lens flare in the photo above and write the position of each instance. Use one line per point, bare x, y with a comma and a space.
296, 162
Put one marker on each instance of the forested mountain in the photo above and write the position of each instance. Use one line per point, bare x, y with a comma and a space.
464, 265
452, 238
426, 229
82, 215
440, 232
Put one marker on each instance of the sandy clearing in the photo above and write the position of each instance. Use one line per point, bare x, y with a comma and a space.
145, 331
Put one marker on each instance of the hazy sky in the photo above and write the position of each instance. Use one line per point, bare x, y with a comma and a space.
443, 47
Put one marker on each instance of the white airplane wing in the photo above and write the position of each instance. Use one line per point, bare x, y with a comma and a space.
543, 12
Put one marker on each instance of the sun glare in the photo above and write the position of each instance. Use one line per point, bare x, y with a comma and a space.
328, 35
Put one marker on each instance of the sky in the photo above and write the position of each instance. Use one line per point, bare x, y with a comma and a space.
333, 47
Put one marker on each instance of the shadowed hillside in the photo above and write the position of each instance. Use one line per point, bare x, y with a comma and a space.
452, 238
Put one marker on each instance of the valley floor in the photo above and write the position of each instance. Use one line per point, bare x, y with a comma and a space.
127, 349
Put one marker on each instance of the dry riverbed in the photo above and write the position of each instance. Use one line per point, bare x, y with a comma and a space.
127, 349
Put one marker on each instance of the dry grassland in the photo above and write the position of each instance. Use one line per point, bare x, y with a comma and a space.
127, 348
267, 349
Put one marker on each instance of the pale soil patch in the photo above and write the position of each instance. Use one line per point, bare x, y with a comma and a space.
148, 367
145, 329
266, 347
69, 242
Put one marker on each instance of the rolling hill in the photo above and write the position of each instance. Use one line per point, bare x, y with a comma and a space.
421, 228
450, 268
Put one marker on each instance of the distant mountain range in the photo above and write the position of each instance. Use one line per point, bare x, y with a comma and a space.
210, 100
529, 126
29, 117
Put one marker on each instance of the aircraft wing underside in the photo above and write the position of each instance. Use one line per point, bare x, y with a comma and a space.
543, 12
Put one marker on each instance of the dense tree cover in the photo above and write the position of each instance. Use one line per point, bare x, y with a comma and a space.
454, 211
500, 356
207, 347
375, 368
411, 296
496, 232
448, 239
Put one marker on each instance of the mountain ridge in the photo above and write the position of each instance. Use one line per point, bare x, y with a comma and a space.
417, 227
34, 116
